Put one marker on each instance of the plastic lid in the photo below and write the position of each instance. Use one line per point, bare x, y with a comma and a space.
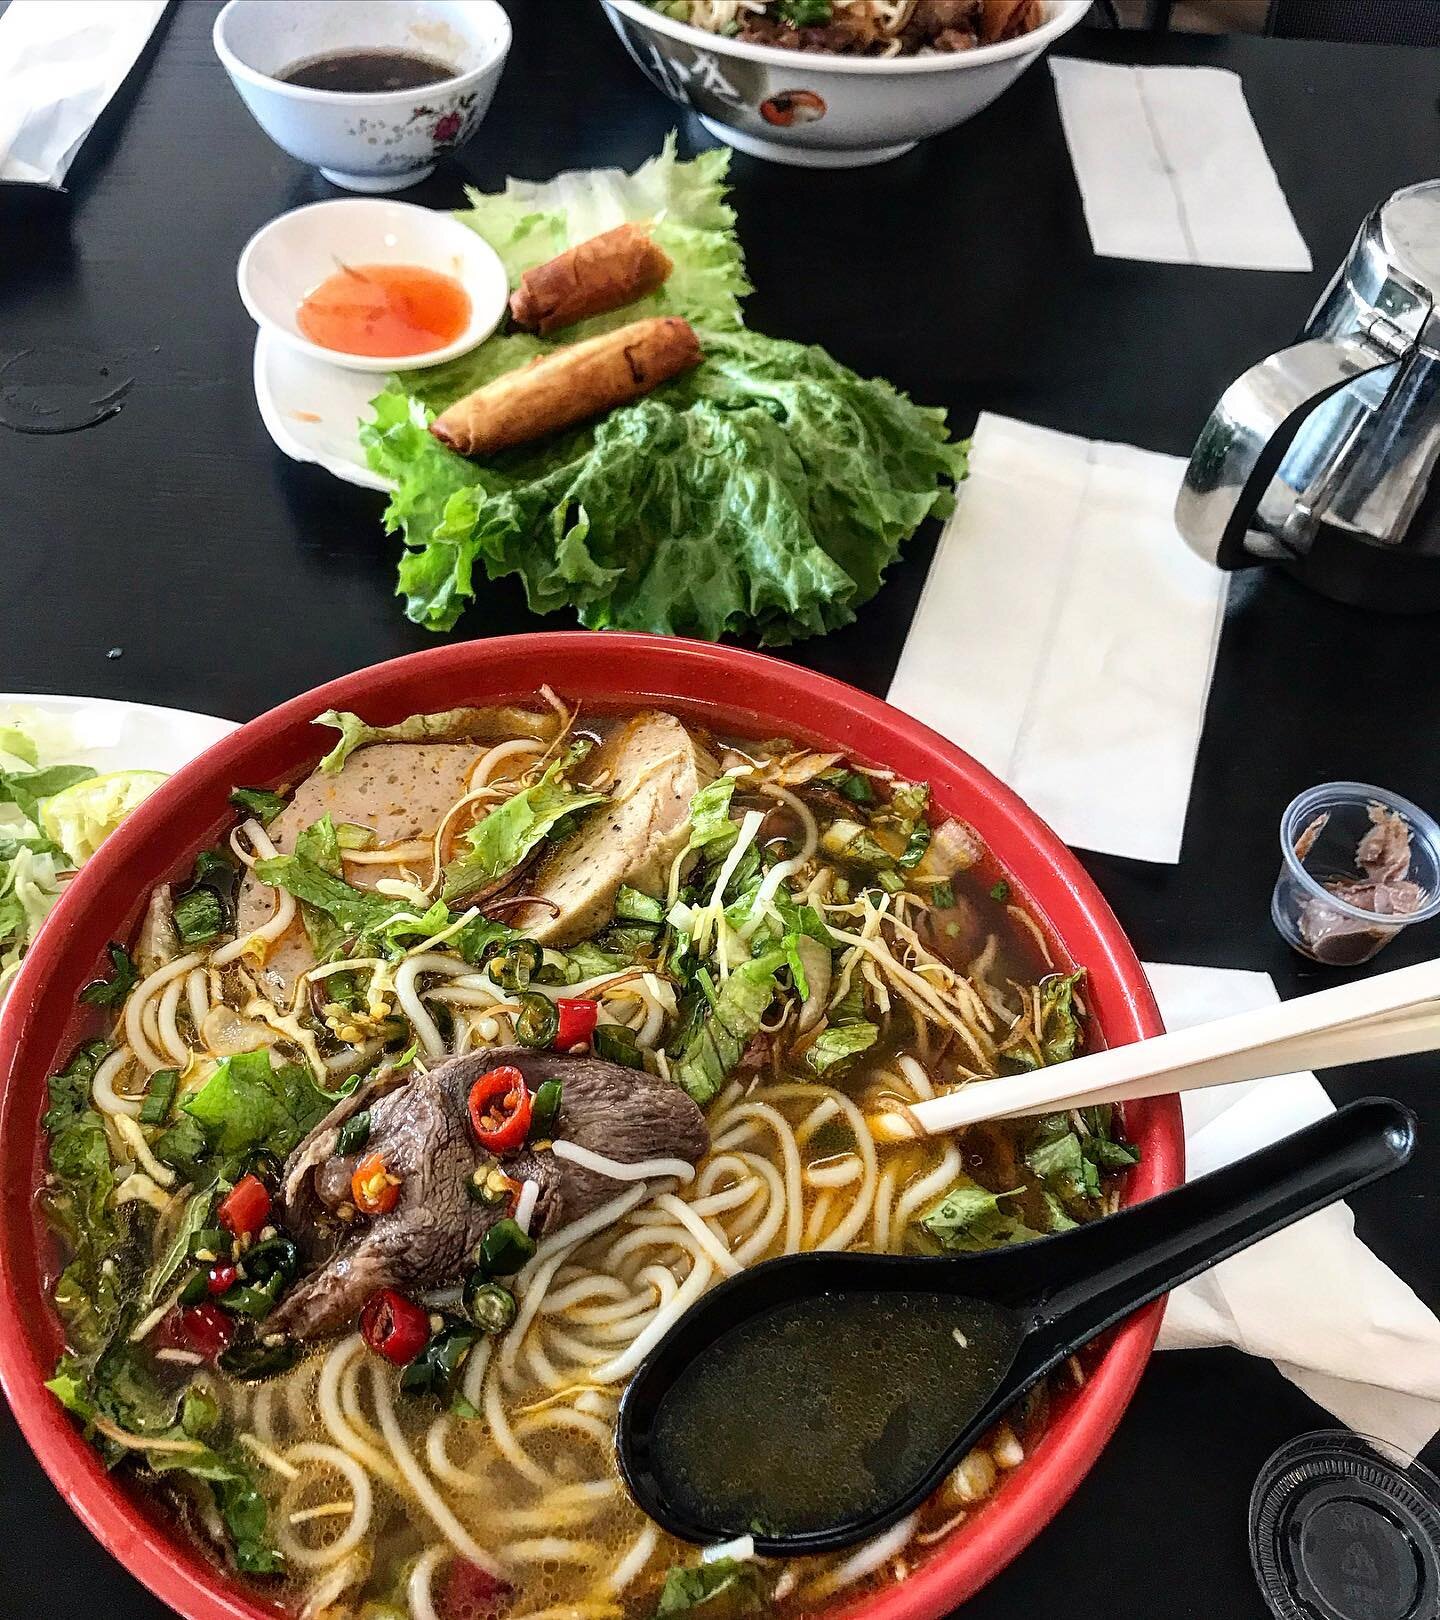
1344, 1528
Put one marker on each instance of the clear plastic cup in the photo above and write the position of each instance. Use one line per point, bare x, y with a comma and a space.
1307, 913
1343, 1527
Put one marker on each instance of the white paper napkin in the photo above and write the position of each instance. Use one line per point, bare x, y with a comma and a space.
1066, 635
1172, 169
60, 63
1312, 1299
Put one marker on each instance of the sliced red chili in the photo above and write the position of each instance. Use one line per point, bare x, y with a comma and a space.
577, 1023
394, 1327
246, 1207
500, 1110
374, 1190
205, 1329
220, 1278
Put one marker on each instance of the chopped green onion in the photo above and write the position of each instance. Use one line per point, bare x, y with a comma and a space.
155, 1110
617, 1044
354, 1134
1001, 891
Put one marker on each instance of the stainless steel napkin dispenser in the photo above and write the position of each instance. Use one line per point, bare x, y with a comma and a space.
1322, 458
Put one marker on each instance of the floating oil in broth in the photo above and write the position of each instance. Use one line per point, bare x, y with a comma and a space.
812, 1414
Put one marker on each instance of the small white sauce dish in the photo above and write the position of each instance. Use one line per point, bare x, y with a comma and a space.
288, 258
365, 141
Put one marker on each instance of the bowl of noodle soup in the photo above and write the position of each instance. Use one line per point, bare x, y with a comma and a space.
997, 1502
817, 109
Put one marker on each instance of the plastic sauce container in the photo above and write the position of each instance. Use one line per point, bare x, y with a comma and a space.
1321, 836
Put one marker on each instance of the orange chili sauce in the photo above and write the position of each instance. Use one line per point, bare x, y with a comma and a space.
385, 309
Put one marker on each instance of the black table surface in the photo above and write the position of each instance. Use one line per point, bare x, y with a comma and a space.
229, 578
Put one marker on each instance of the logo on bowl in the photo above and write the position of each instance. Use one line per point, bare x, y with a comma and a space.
698, 77
440, 126
793, 107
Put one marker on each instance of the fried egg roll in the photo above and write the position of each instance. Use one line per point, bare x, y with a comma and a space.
605, 273
558, 390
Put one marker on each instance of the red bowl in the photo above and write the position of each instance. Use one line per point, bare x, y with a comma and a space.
754, 693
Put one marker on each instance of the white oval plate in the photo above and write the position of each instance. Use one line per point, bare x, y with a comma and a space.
110, 735
313, 411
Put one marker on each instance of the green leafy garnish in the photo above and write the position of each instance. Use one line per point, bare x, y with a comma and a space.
971, 1217
505, 837
448, 725
259, 802
722, 1587
838, 1045
716, 1040
765, 491
711, 829
248, 1104
1000, 891
199, 917
1060, 1034
123, 978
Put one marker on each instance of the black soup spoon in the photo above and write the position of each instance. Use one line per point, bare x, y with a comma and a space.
816, 1400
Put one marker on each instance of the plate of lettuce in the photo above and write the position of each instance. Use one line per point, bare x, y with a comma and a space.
763, 494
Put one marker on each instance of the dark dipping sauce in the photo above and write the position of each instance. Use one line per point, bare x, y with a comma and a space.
366, 72
813, 1414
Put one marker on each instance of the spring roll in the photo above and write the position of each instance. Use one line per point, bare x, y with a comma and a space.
605, 273
558, 390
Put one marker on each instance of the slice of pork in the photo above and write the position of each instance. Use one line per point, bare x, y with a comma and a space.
398, 790
652, 767
421, 1129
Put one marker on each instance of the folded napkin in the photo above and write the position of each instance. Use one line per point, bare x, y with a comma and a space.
1172, 169
59, 66
1066, 635
1312, 1299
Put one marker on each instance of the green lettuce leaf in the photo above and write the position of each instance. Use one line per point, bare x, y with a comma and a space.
838, 1045
248, 1105
722, 1587
972, 1217
715, 1041
711, 828
768, 489
513, 829
447, 725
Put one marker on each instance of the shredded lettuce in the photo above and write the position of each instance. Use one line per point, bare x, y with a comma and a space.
767, 490
722, 1587
837, 1046
716, 1039
248, 1105
449, 725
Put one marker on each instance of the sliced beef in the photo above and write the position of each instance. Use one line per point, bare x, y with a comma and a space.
159, 940
421, 1129
398, 790
933, 19
652, 767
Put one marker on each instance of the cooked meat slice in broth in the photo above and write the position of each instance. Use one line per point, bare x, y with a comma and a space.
421, 1129
652, 768
398, 790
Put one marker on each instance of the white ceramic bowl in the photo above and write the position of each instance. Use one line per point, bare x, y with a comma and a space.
825, 112
361, 141
293, 254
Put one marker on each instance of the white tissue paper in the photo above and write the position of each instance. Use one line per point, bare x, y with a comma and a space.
1171, 168
60, 63
1066, 635
1312, 1299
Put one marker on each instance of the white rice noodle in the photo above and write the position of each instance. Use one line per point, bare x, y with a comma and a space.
611, 1372
166, 1011
407, 994
525, 1205
789, 1153
161, 1174
922, 1193
138, 1187
485, 766
741, 1551
197, 995
865, 1560
307, 1557
916, 1075
634, 1561
425, 1493
140, 998
102, 1087
618, 1170
717, 1253
284, 901
784, 870
707, 917
417, 1589
327, 1395
577, 1231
